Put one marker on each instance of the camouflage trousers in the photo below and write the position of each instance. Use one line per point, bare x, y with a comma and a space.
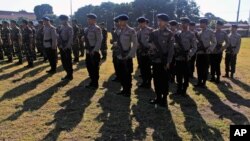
28, 51
8, 51
18, 51
76, 49
1, 53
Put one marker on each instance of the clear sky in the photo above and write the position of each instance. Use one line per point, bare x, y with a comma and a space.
223, 8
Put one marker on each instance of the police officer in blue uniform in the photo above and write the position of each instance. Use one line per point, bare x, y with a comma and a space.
162, 51
93, 40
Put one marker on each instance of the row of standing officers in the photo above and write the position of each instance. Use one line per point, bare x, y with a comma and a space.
170, 51
164, 53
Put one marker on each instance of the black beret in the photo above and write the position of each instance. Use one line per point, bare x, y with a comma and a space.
115, 19
46, 18
173, 23
40, 21
234, 25
204, 20
92, 16
220, 23
192, 24
163, 16
74, 21
4, 22
63, 18
13, 21
123, 17
141, 20
25, 21
185, 20
30, 22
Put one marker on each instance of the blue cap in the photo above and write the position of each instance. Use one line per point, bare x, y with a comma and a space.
63, 17
92, 16
220, 22
185, 20
4, 22
234, 26
173, 23
141, 20
163, 16
13, 21
204, 20
46, 18
25, 22
123, 17
192, 24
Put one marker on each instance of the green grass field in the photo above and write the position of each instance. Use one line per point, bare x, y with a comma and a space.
35, 106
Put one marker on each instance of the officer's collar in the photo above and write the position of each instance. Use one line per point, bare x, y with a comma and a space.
162, 29
92, 25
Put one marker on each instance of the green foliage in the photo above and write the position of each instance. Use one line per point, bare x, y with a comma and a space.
108, 10
41, 10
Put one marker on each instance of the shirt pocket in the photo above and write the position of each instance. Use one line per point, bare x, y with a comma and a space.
126, 37
91, 35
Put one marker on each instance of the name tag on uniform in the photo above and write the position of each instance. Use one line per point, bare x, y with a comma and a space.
165, 33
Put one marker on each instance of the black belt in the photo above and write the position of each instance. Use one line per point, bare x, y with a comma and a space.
50, 40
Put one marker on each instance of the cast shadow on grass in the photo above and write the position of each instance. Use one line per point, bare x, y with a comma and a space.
36, 102
116, 118
233, 96
71, 114
149, 116
11, 74
80, 65
194, 123
222, 109
241, 84
26, 87
10, 65
152, 117
31, 73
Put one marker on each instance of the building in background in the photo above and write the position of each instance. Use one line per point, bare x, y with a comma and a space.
12, 15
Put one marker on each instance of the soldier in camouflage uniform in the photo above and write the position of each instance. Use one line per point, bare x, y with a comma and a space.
27, 40
31, 25
82, 48
104, 45
232, 51
16, 37
7, 41
39, 40
76, 42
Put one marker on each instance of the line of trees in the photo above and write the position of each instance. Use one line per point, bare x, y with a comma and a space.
148, 8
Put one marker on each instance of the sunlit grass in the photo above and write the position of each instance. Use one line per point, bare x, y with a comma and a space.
35, 106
